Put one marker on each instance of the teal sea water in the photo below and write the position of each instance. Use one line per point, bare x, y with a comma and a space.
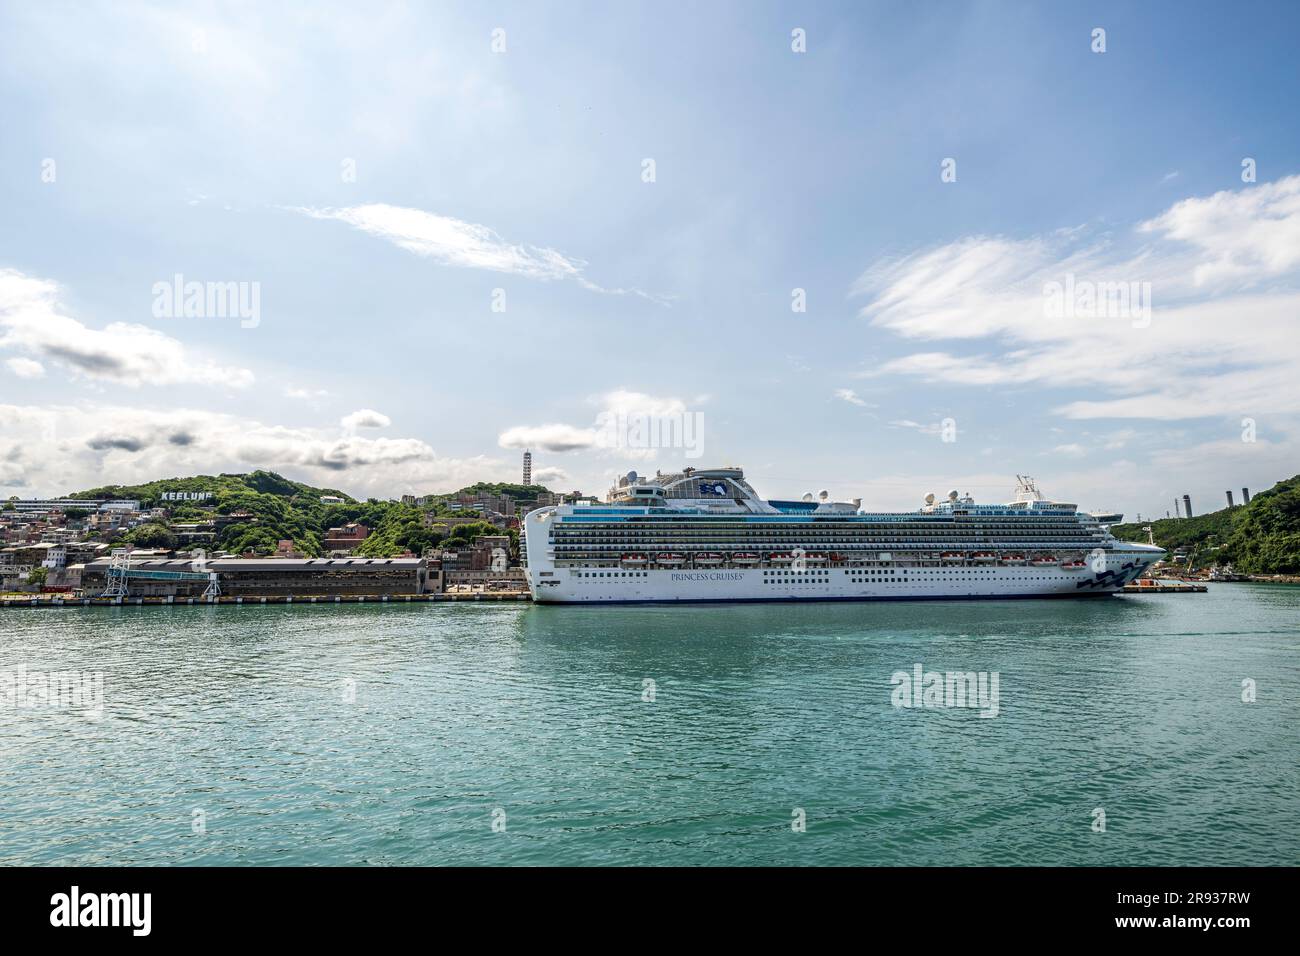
398, 734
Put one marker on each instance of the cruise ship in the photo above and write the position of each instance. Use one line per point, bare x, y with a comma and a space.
706, 535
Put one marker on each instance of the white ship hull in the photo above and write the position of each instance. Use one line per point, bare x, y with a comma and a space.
831, 584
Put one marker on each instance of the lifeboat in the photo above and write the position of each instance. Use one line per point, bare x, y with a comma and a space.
984, 556
708, 559
634, 560
1074, 565
1013, 558
744, 557
815, 557
780, 557
669, 559
1044, 560
952, 556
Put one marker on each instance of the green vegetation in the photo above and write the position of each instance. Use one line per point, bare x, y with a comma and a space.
400, 529
264, 508
464, 535
151, 535
260, 482
1262, 537
270, 508
1266, 538
1203, 531
500, 488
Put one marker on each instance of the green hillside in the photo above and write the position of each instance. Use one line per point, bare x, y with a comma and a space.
280, 509
1262, 537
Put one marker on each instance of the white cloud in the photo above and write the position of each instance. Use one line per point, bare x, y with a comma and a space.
1220, 339
291, 391
33, 320
617, 417
852, 397
553, 437
25, 368
931, 429
365, 418
451, 241
550, 475
1251, 234
1072, 450
454, 242
55, 449
1118, 439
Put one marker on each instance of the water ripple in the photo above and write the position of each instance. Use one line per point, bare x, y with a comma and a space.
314, 735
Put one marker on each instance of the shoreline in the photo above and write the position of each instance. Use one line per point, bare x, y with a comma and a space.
51, 601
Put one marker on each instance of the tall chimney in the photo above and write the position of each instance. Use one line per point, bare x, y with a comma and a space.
1229, 497
1245, 496
1187, 506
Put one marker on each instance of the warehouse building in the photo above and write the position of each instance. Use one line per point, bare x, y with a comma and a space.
271, 577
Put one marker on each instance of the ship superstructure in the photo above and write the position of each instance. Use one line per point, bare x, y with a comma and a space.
706, 535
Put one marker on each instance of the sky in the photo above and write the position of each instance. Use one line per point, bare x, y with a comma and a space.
877, 249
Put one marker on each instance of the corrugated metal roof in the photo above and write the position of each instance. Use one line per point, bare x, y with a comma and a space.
270, 564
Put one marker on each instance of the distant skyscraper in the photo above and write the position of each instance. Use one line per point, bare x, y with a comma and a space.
528, 467
1187, 506
1245, 496
1229, 497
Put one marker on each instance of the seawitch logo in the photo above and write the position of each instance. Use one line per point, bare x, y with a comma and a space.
103, 909
928, 689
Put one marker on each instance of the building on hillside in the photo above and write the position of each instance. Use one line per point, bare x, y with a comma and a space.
489, 552
194, 532
63, 504
285, 549
447, 524
501, 504
345, 539
497, 547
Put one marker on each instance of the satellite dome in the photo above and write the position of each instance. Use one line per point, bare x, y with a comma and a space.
823, 494
929, 499
808, 496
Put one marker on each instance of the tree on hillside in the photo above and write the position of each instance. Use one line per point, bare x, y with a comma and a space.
152, 535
